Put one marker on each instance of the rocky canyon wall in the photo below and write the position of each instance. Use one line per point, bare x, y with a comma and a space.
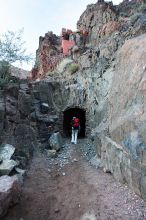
105, 77
110, 85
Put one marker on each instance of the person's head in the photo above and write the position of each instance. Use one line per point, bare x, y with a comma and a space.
74, 117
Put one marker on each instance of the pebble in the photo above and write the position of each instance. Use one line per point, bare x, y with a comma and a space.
63, 174
57, 210
75, 160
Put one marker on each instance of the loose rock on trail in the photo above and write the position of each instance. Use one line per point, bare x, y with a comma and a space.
67, 187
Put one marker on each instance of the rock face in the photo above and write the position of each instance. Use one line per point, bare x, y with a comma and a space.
110, 87
17, 128
125, 117
10, 189
28, 116
47, 56
106, 16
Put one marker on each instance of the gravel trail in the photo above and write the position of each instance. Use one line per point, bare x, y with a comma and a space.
67, 187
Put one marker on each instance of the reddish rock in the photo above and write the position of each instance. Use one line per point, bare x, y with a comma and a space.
52, 50
109, 28
48, 55
66, 45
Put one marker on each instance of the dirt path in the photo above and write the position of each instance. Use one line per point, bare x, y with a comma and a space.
68, 188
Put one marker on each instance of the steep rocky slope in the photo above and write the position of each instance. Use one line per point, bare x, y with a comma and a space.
19, 73
108, 84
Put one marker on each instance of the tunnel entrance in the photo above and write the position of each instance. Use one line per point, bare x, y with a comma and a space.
67, 118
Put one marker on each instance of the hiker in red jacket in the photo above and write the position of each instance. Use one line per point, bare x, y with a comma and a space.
75, 129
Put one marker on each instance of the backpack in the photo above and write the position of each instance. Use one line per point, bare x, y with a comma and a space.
76, 123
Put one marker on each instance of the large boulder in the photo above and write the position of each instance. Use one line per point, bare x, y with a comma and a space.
6, 165
10, 189
55, 141
6, 152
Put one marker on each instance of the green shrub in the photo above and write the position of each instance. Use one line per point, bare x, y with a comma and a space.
73, 68
5, 75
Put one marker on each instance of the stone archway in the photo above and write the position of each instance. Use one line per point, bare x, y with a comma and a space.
68, 114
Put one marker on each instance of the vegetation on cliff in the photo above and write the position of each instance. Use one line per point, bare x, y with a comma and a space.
11, 50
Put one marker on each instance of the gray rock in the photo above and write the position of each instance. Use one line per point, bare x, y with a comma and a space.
75, 49
96, 162
44, 108
51, 153
24, 103
46, 118
6, 152
10, 189
112, 158
7, 166
134, 144
11, 105
75, 160
20, 171
55, 141
13, 90
20, 174
88, 59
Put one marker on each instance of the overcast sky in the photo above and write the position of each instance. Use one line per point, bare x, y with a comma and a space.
40, 16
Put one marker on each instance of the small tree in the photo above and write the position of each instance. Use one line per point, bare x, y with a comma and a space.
11, 50
12, 47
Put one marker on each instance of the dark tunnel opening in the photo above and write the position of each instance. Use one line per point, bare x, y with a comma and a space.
67, 118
